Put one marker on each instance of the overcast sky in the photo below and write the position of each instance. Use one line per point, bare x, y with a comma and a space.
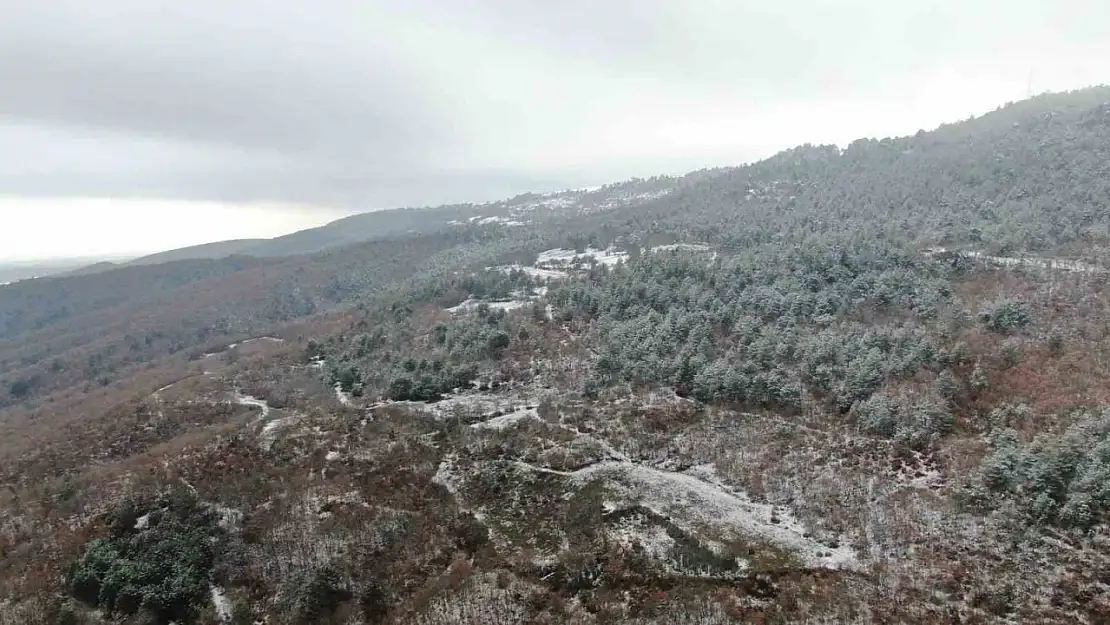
330, 106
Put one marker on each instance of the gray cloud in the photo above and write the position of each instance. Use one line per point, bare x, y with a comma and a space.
382, 103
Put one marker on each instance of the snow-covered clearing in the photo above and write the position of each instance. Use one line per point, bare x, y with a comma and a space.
469, 404
506, 421
562, 257
1059, 264
684, 247
535, 272
695, 500
472, 304
504, 221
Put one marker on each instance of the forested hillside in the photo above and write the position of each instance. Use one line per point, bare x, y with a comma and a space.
859, 385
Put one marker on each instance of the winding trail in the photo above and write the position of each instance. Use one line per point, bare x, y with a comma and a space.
247, 400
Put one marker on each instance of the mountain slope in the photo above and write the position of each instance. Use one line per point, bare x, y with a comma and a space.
848, 386
217, 250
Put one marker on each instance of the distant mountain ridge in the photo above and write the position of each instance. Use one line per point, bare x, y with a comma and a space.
517, 211
218, 249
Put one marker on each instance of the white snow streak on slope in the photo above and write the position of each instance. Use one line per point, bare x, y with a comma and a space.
269, 433
480, 403
270, 339
694, 503
221, 603
247, 400
505, 421
344, 398
1028, 261
565, 257
535, 272
474, 303
268, 436
686, 247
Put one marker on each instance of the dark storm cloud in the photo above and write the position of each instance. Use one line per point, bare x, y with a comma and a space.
381, 103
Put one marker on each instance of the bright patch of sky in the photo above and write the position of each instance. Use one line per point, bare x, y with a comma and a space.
43, 228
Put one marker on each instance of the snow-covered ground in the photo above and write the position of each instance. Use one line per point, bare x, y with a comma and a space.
343, 397
685, 247
563, 257
696, 499
220, 603
268, 339
535, 272
506, 421
520, 298
1060, 264
472, 304
500, 220
254, 402
552, 264
488, 404
269, 434
655, 540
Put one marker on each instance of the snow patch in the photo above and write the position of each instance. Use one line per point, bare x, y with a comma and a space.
684, 247
143, 522
254, 402
220, 602
654, 539
473, 303
343, 397
535, 272
487, 404
562, 257
500, 220
268, 436
696, 499
506, 421
1060, 264
445, 475
269, 339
